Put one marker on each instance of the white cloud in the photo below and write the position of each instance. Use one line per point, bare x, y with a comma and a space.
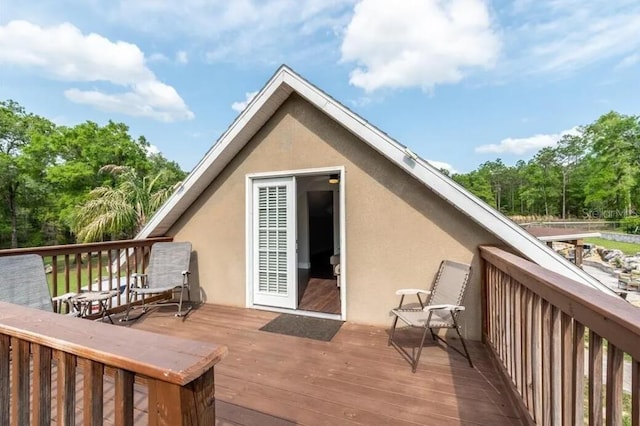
62, 52
240, 106
418, 43
182, 57
151, 99
157, 57
565, 35
253, 30
521, 146
629, 61
152, 149
442, 165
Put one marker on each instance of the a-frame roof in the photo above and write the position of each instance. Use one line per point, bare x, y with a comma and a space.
272, 96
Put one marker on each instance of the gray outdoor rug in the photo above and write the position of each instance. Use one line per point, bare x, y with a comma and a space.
301, 326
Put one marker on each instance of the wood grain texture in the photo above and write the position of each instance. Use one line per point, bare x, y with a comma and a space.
556, 366
20, 383
567, 368
124, 398
93, 393
577, 394
273, 379
609, 316
66, 389
5, 379
193, 404
41, 394
635, 393
175, 360
595, 379
321, 295
613, 412
67, 249
354, 379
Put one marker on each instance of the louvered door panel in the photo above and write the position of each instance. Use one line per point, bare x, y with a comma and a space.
274, 242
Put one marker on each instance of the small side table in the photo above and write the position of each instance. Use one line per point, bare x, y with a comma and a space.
85, 300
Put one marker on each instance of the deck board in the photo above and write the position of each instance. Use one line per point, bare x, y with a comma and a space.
356, 378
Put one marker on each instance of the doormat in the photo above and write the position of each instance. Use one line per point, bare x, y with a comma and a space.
302, 326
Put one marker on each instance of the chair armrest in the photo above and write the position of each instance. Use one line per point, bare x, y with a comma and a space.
439, 307
411, 291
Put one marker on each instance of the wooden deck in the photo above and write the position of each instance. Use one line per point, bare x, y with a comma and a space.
272, 379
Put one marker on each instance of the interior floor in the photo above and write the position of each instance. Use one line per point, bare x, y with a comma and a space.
318, 294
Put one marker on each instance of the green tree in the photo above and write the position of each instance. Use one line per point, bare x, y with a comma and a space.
570, 152
169, 172
477, 183
542, 193
81, 152
614, 140
497, 174
24, 155
119, 211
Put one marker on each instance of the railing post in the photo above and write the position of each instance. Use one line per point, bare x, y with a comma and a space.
34, 344
190, 405
66, 389
5, 382
124, 397
20, 382
483, 299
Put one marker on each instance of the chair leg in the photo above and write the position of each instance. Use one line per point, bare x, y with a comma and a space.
126, 315
393, 330
144, 304
433, 335
417, 358
180, 312
464, 345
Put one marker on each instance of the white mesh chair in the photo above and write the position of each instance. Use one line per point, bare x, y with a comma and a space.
168, 271
23, 282
440, 311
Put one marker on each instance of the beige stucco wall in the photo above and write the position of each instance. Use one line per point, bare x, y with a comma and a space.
397, 231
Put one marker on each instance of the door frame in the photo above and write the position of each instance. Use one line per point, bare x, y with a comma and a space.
249, 178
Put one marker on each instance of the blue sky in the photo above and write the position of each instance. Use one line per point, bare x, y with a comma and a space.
460, 82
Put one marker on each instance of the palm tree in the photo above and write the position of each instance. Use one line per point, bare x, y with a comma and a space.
119, 211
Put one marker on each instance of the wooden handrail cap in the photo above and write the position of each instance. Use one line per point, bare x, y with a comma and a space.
167, 358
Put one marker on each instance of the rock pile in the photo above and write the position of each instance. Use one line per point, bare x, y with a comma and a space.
618, 259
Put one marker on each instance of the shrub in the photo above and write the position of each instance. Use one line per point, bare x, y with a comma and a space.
631, 224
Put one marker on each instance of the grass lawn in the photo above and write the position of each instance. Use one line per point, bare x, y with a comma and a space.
627, 248
626, 404
73, 277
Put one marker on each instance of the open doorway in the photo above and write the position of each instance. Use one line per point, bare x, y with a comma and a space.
321, 244
317, 280
296, 221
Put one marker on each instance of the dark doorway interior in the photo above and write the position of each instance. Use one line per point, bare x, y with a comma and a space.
320, 233
318, 290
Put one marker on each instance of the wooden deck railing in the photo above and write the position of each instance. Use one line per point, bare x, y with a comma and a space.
36, 345
564, 347
94, 266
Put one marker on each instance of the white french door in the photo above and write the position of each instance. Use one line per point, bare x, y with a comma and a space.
274, 242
